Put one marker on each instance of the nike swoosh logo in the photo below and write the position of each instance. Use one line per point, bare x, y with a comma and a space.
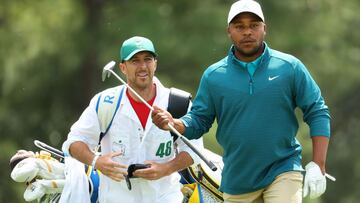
273, 78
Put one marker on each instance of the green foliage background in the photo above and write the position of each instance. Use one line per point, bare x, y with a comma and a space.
52, 53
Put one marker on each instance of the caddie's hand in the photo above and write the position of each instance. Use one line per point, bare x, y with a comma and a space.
155, 172
110, 168
161, 118
314, 182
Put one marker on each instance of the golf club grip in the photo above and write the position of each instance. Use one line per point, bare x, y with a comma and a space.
197, 152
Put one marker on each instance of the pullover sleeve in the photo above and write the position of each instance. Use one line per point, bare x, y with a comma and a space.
199, 120
308, 98
198, 143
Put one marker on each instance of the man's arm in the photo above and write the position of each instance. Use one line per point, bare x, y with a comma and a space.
161, 118
320, 146
315, 176
80, 151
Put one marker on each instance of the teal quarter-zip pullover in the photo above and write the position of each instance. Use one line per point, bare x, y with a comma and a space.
257, 125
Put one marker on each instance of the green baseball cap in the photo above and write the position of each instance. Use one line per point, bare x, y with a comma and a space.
134, 45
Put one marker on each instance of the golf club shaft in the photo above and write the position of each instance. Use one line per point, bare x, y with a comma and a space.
188, 143
172, 128
48, 148
332, 178
132, 90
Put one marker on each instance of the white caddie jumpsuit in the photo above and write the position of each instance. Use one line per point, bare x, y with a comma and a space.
127, 135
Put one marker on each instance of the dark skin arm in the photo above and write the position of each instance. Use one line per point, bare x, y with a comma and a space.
161, 118
320, 146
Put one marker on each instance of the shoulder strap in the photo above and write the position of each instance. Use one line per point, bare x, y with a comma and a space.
106, 107
179, 101
109, 101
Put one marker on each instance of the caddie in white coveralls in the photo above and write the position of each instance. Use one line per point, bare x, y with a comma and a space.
132, 139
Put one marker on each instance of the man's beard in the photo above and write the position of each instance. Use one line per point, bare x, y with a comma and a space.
250, 53
141, 85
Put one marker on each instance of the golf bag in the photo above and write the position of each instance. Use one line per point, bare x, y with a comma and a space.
200, 183
45, 178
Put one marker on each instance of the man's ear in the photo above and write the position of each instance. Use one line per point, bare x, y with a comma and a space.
264, 29
228, 31
155, 64
122, 67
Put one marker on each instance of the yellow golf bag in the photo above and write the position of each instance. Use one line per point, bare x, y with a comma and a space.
200, 183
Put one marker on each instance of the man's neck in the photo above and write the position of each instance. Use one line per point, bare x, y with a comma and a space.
145, 93
249, 58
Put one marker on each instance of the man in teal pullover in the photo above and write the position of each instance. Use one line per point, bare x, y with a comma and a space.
252, 93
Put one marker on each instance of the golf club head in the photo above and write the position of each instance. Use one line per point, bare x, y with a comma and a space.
106, 71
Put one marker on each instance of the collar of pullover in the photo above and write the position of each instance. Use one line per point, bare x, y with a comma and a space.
249, 66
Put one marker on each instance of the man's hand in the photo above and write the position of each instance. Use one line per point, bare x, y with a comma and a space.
161, 118
155, 172
315, 181
110, 168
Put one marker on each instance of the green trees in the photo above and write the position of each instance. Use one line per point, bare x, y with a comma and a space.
52, 54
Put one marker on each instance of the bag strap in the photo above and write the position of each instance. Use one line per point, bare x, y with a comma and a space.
178, 105
106, 108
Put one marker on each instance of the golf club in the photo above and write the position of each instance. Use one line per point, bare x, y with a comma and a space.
48, 148
108, 70
332, 178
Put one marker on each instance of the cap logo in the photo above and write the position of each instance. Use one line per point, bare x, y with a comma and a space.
245, 7
139, 44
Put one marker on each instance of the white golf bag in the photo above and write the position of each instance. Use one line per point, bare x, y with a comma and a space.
45, 178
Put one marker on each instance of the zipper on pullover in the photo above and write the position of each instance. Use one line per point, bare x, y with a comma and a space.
251, 88
251, 82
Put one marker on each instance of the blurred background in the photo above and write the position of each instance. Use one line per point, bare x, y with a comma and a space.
52, 53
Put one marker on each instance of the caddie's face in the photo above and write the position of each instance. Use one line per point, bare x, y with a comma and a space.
140, 70
247, 32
